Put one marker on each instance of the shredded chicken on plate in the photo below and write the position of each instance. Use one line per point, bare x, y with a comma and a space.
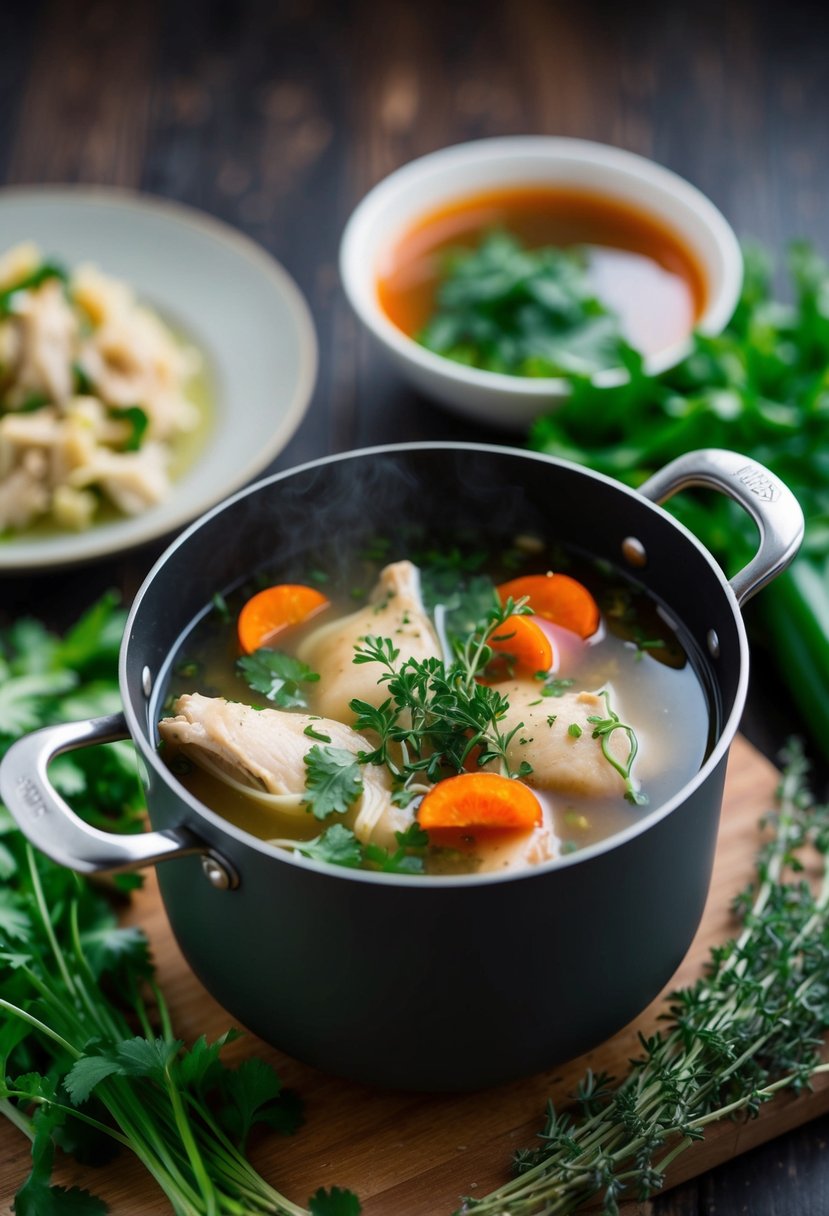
92, 394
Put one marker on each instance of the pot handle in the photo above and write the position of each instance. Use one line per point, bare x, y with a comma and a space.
770, 504
53, 827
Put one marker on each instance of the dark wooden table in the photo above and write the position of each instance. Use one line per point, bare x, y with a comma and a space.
278, 117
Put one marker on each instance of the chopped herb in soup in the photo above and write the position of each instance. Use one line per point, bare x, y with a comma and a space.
466, 716
541, 281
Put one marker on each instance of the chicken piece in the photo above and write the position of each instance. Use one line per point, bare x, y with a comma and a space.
562, 762
133, 480
395, 610
24, 492
262, 752
73, 509
132, 358
20, 433
47, 329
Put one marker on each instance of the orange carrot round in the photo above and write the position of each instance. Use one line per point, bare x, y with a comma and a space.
558, 598
526, 642
276, 608
475, 801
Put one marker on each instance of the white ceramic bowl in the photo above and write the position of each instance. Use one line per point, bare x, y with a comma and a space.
420, 187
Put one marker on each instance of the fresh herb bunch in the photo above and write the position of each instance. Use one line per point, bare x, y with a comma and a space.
90, 1060
752, 1026
762, 389
437, 714
525, 312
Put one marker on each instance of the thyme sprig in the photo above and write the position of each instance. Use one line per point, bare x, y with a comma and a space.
437, 714
604, 728
752, 1026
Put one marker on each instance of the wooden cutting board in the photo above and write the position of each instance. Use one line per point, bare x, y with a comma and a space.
416, 1155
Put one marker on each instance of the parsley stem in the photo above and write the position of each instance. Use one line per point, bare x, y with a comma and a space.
47, 920
14, 1115
36, 1024
194, 1156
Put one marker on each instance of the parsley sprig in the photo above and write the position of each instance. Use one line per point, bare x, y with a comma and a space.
437, 715
278, 676
89, 1057
333, 780
338, 846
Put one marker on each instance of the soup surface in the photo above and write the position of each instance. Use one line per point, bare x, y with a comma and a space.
637, 268
445, 711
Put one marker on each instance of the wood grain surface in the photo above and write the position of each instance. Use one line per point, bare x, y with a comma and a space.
416, 1155
278, 115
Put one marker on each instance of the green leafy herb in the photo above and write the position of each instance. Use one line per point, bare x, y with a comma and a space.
437, 713
88, 1056
30, 282
752, 1027
525, 312
340, 847
333, 781
553, 686
337, 845
278, 676
407, 858
574, 730
760, 389
138, 420
335, 1202
312, 733
220, 607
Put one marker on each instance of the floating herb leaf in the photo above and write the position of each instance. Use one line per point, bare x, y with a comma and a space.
333, 780
278, 676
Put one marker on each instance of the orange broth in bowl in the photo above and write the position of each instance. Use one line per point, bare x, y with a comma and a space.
638, 268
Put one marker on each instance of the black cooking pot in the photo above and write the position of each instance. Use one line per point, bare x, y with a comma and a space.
426, 982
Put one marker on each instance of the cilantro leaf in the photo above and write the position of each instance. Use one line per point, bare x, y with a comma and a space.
333, 782
407, 858
22, 697
278, 676
337, 845
109, 947
200, 1066
253, 1094
15, 923
139, 1057
86, 1073
93, 643
36, 1197
335, 1202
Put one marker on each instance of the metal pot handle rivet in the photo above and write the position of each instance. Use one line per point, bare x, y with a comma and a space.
770, 504
53, 827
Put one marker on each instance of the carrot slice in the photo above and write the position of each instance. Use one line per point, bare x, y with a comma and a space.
270, 611
526, 642
475, 801
558, 598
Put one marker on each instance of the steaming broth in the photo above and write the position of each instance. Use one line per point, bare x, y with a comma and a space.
653, 675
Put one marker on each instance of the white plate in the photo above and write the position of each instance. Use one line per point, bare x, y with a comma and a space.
223, 293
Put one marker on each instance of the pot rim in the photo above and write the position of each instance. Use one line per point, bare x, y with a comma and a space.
141, 739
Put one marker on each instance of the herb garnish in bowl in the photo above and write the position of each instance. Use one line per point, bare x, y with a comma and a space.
524, 312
